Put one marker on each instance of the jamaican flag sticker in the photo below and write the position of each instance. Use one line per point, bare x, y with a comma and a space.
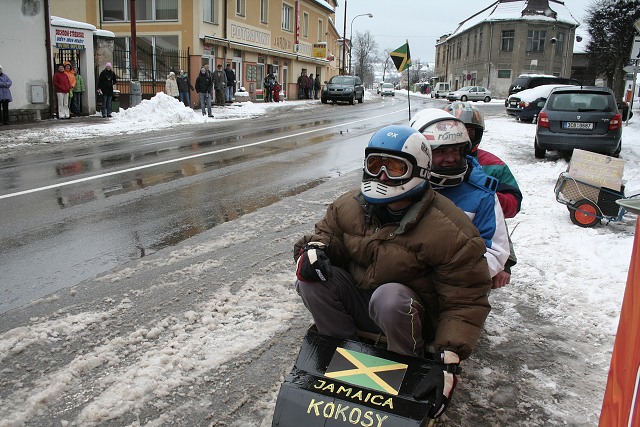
366, 371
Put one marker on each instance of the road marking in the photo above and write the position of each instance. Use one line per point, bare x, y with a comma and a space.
182, 159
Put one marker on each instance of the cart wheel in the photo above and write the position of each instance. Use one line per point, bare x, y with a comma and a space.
585, 213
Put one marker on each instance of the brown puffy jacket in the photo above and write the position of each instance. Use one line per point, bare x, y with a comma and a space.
435, 250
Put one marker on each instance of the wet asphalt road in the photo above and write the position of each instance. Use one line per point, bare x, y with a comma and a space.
72, 214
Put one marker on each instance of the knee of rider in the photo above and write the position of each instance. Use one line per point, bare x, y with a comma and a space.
385, 300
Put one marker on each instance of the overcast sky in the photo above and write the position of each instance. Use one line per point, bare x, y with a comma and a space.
394, 22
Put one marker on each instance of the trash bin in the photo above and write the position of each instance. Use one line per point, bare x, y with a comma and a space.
115, 101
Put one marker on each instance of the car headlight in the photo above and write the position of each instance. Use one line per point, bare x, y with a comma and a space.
349, 89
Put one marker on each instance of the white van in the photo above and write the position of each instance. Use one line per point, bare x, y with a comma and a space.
440, 89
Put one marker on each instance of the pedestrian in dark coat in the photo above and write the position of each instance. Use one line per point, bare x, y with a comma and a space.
231, 83
219, 84
106, 82
183, 88
317, 86
5, 96
204, 83
269, 81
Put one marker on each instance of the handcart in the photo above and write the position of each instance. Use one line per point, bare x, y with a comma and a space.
589, 204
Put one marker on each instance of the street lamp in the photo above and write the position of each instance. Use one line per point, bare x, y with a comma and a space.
351, 36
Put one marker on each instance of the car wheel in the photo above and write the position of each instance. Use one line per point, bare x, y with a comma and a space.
538, 152
437, 96
463, 98
361, 99
351, 100
585, 213
487, 98
323, 100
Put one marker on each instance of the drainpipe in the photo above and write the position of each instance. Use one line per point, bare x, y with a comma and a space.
47, 41
490, 49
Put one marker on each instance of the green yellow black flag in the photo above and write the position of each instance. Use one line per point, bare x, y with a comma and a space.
367, 371
401, 57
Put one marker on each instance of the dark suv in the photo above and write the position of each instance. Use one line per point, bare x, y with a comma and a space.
343, 88
529, 81
584, 117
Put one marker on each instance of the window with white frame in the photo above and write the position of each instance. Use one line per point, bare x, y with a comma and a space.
156, 10
287, 17
320, 30
535, 40
146, 10
210, 11
305, 25
241, 7
264, 11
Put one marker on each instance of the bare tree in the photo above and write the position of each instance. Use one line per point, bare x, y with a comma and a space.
610, 24
364, 55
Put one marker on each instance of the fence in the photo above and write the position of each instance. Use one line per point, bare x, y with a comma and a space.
153, 68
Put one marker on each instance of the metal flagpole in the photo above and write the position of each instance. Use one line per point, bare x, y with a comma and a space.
408, 80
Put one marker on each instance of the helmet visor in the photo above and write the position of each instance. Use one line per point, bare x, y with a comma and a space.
395, 167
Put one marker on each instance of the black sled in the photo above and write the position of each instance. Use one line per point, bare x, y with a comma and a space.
338, 382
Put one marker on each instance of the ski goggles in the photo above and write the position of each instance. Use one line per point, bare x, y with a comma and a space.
397, 168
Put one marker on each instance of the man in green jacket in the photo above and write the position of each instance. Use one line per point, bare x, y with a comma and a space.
395, 257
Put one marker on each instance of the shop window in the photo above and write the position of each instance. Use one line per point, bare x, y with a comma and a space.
504, 74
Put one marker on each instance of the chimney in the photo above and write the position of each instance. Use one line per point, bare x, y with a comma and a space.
539, 7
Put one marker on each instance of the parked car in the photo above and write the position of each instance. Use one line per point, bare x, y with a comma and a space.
529, 81
584, 117
387, 89
343, 88
440, 89
526, 105
470, 93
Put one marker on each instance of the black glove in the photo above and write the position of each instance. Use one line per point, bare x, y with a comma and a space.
441, 379
313, 264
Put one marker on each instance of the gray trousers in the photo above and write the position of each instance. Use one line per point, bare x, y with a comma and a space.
339, 309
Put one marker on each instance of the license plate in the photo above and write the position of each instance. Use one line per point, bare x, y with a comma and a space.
577, 125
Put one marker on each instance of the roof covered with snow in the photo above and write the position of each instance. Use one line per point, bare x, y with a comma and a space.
56, 21
518, 10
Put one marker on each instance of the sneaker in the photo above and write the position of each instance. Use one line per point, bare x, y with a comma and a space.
210, 115
109, 115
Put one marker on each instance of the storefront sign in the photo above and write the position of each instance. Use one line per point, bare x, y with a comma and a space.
320, 50
69, 38
244, 33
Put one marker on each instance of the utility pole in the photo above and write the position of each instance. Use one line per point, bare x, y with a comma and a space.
135, 91
344, 40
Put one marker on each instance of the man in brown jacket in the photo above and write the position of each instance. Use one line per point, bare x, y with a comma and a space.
397, 258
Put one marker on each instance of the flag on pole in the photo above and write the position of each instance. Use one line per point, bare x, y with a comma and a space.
401, 57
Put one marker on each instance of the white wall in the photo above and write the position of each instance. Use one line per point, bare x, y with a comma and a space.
23, 55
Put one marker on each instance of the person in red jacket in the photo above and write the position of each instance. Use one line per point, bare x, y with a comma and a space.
276, 92
63, 86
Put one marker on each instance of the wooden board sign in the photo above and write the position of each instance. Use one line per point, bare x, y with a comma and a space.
597, 169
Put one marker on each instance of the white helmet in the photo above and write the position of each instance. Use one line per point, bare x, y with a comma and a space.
441, 129
403, 154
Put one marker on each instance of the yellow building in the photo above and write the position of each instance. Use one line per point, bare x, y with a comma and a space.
285, 37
